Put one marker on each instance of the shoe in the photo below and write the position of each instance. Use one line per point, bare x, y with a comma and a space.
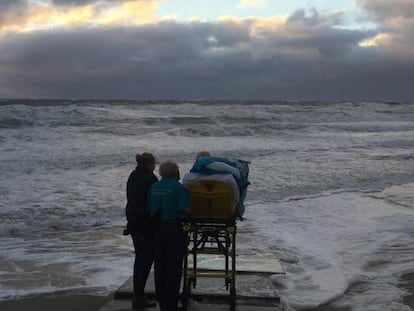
142, 302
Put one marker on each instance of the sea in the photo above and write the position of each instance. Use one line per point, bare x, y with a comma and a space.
331, 193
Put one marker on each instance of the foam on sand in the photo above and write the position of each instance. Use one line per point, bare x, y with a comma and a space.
348, 247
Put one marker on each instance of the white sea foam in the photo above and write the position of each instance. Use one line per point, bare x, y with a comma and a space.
64, 262
338, 241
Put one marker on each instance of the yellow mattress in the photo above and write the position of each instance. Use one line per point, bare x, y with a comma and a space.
211, 199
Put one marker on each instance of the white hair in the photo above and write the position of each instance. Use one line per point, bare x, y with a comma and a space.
169, 169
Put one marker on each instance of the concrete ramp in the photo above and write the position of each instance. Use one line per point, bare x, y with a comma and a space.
244, 265
125, 305
255, 291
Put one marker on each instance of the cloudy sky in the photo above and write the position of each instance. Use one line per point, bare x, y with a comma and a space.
213, 49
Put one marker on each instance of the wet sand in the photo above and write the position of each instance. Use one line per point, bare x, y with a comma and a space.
407, 283
70, 302
56, 302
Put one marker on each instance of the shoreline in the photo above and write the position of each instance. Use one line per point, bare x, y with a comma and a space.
406, 282
87, 302
56, 301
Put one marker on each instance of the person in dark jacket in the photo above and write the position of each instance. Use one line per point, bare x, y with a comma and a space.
168, 202
139, 225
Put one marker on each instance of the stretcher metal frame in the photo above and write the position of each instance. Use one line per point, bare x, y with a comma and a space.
207, 235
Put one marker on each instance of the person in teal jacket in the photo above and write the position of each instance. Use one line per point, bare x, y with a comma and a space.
168, 201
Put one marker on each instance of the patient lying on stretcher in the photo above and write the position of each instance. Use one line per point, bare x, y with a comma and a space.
233, 171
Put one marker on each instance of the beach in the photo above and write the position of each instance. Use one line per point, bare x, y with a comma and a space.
331, 194
78, 302
54, 302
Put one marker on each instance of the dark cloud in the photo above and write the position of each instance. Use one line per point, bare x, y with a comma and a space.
392, 16
319, 33
8, 4
10, 9
382, 10
396, 20
308, 58
313, 18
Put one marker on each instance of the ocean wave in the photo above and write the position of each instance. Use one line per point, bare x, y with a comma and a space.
12, 228
15, 123
225, 128
402, 195
320, 173
394, 157
325, 194
369, 126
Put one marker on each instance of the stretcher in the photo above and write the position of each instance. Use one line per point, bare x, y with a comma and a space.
211, 231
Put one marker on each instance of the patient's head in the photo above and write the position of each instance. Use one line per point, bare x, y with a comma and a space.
203, 154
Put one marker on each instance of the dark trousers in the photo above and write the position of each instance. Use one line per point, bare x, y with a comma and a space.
169, 254
144, 257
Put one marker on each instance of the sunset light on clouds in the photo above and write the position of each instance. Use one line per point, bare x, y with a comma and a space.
45, 15
207, 49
